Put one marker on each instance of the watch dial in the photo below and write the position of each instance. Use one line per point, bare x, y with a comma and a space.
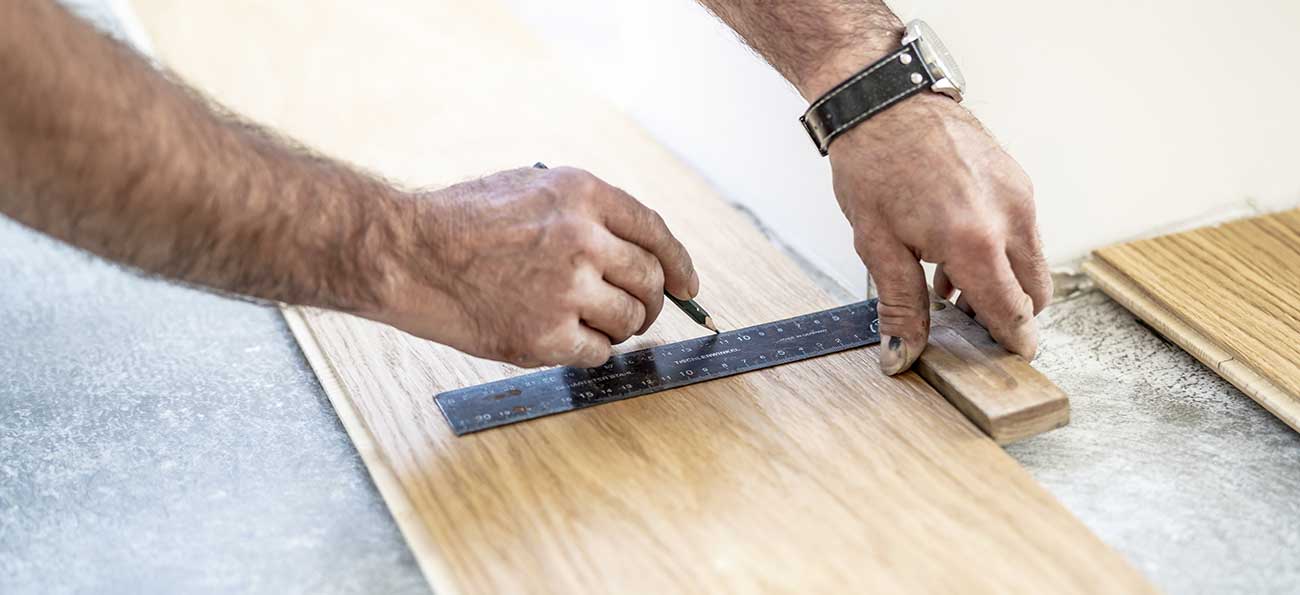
936, 55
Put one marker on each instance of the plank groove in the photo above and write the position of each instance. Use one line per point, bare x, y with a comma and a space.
820, 476
1228, 294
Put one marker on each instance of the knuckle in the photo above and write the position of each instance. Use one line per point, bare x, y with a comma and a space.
862, 245
579, 233
1021, 183
889, 274
560, 347
646, 277
541, 346
549, 335
906, 309
1011, 310
977, 239
574, 291
652, 279
1024, 212
867, 240
579, 181
902, 317
649, 221
654, 219
576, 350
566, 187
590, 354
633, 315
550, 184
652, 313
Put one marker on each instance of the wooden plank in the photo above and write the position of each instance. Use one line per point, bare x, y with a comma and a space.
1228, 294
1130, 295
818, 476
998, 391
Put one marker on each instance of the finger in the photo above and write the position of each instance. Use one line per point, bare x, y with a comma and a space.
1031, 271
629, 219
942, 284
525, 361
575, 345
630, 268
592, 348
904, 306
991, 289
964, 305
611, 310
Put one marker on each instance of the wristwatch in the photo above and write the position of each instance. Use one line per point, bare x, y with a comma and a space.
922, 63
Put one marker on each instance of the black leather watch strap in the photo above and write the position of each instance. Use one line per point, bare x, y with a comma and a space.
867, 93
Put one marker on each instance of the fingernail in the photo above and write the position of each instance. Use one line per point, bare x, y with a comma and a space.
1031, 341
894, 356
694, 285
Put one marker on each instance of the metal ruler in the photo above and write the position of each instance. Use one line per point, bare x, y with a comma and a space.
660, 368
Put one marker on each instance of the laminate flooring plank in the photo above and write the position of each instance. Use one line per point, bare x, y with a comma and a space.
820, 476
1234, 292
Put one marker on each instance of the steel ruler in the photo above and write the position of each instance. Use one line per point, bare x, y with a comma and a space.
637, 373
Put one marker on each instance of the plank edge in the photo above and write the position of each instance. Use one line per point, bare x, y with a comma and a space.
1121, 288
412, 528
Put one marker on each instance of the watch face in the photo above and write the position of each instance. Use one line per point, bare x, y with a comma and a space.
937, 58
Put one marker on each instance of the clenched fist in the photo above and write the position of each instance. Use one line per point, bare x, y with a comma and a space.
533, 267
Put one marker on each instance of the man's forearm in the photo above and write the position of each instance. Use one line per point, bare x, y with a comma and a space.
817, 43
102, 151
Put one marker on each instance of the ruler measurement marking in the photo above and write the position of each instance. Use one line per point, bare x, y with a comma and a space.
660, 368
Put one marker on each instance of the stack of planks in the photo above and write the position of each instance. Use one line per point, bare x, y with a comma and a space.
821, 476
1229, 295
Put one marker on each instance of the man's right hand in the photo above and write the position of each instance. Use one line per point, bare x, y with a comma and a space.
924, 181
531, 267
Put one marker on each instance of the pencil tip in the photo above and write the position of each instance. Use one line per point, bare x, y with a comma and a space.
708, 324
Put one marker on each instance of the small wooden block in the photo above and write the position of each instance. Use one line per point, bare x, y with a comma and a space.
997, 390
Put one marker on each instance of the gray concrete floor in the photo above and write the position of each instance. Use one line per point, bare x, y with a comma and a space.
158, 439
155, 438
1182, 473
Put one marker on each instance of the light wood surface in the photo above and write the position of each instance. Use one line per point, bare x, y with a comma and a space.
821, 476
1229, 295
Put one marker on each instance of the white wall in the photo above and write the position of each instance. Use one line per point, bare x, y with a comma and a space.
1129, 115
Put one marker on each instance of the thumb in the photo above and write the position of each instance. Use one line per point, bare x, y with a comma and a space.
904, 307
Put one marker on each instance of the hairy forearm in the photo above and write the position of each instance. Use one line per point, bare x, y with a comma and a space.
816, 43
101, 150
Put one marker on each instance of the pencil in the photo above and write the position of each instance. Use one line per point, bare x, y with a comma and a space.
691, 308
694, 310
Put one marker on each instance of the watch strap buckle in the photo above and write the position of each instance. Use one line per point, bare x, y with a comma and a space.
823, 146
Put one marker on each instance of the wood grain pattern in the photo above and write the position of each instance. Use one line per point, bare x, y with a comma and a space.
998, 391
821, 476
1228, 294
